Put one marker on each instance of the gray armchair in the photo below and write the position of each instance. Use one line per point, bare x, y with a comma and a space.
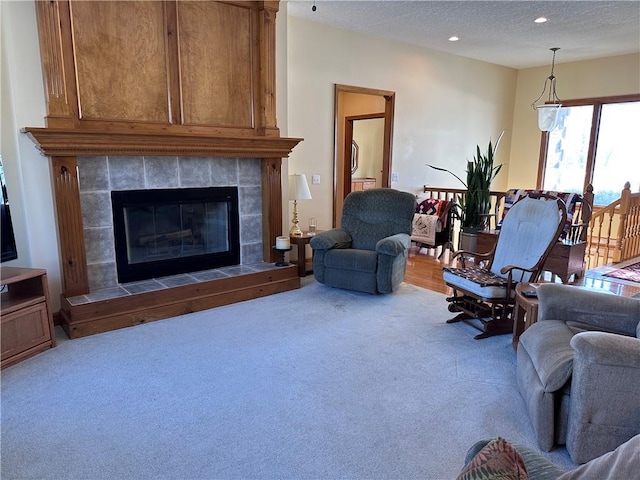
369, 251
578, 370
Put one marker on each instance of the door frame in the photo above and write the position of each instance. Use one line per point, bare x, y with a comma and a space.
342, 181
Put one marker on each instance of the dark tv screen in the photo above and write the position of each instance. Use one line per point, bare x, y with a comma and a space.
7, 240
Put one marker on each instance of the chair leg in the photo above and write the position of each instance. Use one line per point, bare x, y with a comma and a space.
461, 317
496, 327
495, 319
448, 245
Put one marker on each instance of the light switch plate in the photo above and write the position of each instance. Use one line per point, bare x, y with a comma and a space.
394, 177
315, 179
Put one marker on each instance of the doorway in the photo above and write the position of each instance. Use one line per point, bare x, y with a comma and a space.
369, 113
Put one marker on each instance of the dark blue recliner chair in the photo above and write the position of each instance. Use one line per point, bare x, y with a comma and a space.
368, 253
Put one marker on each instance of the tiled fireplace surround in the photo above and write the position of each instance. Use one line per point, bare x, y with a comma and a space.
99, 175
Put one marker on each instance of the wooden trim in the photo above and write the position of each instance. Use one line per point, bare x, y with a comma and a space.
346, 164
70, 230
267, 74
102, 316
634, 97
173, 62
363, 90
593, 144
67, 142
542, 159
52, 25
271, 206
344, 187
365, 116
387, 148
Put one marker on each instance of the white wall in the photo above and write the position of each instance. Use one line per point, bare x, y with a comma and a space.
28, 172
445, 106
603, 77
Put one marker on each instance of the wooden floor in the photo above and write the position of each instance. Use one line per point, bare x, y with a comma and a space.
425, 270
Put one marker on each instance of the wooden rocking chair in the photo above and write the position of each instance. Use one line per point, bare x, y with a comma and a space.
484, 292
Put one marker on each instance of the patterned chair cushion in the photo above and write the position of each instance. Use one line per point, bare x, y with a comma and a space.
479, 275
497, 460
478, 281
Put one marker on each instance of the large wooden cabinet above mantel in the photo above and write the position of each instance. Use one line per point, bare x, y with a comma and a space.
204, 67
162, 78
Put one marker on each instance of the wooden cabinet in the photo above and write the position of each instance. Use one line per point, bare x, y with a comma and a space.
358, 184
27, 321
173, 66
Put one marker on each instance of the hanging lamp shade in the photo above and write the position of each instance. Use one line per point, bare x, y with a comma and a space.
548, 116
548, 111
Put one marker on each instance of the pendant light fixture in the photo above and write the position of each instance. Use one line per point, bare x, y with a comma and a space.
548, 112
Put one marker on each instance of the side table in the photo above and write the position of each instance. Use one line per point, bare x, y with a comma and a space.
301, 241
525, 311
27, 320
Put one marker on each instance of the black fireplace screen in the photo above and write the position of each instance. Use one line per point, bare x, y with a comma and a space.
171, 231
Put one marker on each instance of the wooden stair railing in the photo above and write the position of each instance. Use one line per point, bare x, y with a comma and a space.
614, 232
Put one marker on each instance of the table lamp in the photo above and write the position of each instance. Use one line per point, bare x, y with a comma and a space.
298, 190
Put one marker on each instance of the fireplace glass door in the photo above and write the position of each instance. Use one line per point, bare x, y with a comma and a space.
172, 231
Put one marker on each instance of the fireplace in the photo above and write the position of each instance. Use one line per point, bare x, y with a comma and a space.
186, 131
161, 232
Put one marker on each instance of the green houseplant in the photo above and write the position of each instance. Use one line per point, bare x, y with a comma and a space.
475, 204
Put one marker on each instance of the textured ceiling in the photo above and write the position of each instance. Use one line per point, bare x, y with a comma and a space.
500, 32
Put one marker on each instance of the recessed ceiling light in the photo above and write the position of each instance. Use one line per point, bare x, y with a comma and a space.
540, 19
454, 39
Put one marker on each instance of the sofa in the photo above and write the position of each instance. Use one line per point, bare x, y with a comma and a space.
578, 370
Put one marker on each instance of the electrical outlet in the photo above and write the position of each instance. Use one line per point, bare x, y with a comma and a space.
394, 177
315, 179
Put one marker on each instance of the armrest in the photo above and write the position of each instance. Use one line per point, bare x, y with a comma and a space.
510, 268
605, 394
478, 257
393, 245
585, 309
607, 349
334, 238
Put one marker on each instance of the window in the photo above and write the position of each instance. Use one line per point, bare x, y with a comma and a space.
596, 142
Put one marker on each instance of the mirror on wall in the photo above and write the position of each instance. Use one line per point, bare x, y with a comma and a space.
354, 157
7, 238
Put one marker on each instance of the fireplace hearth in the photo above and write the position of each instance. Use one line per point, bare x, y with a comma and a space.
161, 232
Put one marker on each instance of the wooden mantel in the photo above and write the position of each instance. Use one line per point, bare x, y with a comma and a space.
56, 142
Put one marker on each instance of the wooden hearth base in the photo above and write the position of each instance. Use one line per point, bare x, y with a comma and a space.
103, 316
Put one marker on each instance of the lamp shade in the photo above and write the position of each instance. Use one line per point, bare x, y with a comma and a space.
548, 116
298, 187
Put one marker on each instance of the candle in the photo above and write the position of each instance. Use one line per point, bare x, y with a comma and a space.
282, 243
